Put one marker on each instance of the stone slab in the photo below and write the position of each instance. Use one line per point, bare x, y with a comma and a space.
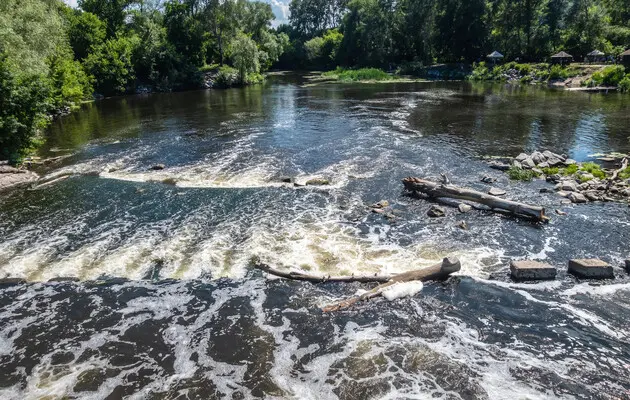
591, 269
531, 270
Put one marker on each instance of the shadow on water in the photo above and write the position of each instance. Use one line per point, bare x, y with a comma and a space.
207, 326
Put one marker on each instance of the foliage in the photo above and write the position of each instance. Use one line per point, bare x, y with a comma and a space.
593, 169
244, 55
624, 174
85, 33
23, 102
362, 74
624, 84
520, 174
541, 72
569, 170
70, 85
226, 77
111, 66
609, 76
550, 170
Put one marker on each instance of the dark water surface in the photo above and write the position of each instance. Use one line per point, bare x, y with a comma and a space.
169, 307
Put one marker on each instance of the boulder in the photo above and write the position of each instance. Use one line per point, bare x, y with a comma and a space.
567, 186
554, 162
521, 157
543, 164
158, 167
531, 270
496, 192
8, 180
563, 194
464, 208
7, 169
591, 268
517, 164
553, 178
569, 161
583, 186
528, 163
499, 165
592, 196
436, 212
545, 190
548, 154
488, 179
576, 197
628, 265
317, 182
538, 157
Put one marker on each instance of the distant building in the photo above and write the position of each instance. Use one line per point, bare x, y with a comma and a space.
596, 56
625, 57
561, 58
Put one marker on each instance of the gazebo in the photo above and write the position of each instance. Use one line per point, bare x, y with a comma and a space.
625, 57
495, 57
596, 56
561, 58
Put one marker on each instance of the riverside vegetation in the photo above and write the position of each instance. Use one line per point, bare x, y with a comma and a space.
53, 57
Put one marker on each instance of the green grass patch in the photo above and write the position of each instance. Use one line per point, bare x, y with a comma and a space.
569, 170
520, 174
551, 170
625, 174
357, 75
593, 169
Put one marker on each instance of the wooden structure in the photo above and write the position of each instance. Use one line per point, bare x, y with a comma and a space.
561, 58
596, 56
495, 57
625, 58
439, 190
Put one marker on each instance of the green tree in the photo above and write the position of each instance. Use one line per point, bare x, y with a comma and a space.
112, 12
85, 33
111, 66
244, 55
23, 102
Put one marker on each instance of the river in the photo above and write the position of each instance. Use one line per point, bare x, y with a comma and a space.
168, 305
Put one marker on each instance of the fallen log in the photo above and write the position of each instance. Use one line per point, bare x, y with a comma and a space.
438, 271
624, 165
497, 204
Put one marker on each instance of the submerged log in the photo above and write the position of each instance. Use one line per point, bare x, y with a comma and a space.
438, 271
437, 190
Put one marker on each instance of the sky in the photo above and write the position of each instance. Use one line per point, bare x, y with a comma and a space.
280, 9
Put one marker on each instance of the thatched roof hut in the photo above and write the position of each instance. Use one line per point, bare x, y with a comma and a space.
596, 55
561, 58
625, 57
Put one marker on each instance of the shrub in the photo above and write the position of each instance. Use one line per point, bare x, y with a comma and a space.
551, 170
609, 76
557, 72
569, 170
226, 77
624, 84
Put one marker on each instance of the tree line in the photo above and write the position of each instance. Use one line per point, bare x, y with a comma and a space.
386, 33
53, 57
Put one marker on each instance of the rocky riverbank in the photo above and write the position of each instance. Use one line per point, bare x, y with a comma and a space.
606, 178
11, 176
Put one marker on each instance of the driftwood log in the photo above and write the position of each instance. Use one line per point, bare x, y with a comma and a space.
439, 190
438, 271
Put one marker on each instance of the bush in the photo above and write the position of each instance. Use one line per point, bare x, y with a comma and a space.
609, 76
226, 77
569, 170
70, 84
624, 84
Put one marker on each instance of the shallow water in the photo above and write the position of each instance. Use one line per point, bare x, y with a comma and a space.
192, 319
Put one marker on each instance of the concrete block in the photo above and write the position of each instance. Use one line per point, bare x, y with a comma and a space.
531, 270
591, 268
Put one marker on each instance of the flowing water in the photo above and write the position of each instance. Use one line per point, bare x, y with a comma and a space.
169, 307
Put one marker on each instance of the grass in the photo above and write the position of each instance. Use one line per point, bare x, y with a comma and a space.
520, 174
551, 170
594, 170
525, 73
357, 75
570, 170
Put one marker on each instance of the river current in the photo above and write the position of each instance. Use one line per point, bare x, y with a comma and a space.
167, 303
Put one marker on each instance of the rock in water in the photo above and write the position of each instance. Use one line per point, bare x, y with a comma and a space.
567, 186
464, 208
287, 179
576, 197
158, 167
380, 204
522, 157
528, 163
317, 182
463, 225
531, 270
496, 192
436, 212
487, 179
538, 158
591, 268
628, 265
